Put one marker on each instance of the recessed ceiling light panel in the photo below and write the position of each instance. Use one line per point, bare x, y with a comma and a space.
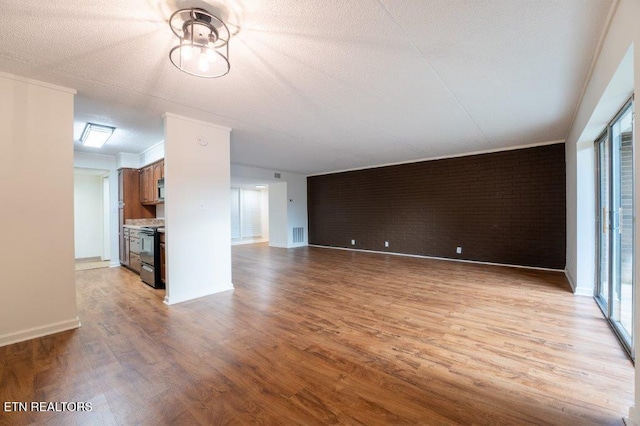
96, 135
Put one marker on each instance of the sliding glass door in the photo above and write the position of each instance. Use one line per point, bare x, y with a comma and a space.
603, 209
615, 224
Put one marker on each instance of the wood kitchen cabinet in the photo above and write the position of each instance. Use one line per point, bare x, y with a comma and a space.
146, 178
142, 191
130, 207
149, 176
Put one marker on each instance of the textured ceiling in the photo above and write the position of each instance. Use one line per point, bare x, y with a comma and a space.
319, 85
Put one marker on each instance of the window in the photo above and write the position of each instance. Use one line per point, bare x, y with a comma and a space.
246, 214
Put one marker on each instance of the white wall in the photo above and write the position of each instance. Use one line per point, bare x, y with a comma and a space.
615, 95
37, 277
152, 154
584, 282
126, 160
197, 208
264, 205
105, 162
603, 96
278, 215
136, 161
106, 218
289, 209
88, 215
297, 209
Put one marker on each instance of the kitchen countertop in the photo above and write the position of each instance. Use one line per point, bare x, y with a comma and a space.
133, 226
145, 222
141, 226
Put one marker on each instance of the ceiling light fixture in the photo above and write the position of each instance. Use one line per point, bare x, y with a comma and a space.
95, 135
204, 43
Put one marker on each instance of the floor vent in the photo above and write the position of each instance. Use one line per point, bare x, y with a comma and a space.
298, 235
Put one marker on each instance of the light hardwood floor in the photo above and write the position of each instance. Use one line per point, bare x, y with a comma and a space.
319, 336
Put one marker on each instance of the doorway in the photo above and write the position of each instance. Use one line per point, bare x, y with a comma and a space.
249, 215
91, 218
615, 287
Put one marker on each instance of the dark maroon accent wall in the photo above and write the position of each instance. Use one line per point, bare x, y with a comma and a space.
506, 207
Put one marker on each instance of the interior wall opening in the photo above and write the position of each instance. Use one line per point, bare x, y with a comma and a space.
92, 240
249, 215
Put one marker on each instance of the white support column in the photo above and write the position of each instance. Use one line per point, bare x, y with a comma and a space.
37, 290
278, 224
586, 219
197, 208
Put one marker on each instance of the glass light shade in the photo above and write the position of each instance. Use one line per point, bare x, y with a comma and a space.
186, 51
204, 43
203, 63
211, 54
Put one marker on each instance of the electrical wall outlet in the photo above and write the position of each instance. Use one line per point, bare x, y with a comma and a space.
353, 242
459, 250
386, 243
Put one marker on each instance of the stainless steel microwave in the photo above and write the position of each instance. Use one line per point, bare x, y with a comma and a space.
161, 189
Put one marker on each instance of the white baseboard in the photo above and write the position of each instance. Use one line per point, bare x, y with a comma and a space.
114, 264
89, 259
577, 290
571, 283
174, 300
32, 333
440, 258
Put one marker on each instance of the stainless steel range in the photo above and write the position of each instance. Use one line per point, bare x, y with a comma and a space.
150, 256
